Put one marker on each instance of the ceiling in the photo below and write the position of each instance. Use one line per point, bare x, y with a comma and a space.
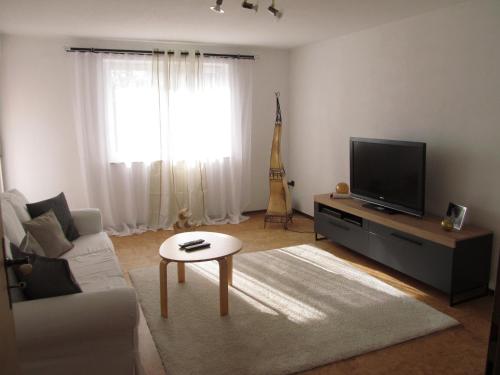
304, 21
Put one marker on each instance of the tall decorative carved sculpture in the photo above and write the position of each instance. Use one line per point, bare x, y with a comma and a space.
279, 209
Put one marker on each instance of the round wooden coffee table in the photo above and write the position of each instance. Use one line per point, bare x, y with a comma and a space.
222, 247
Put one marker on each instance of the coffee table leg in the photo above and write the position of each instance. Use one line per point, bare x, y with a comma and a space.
230, 270
181, 272
163, 288
223, 287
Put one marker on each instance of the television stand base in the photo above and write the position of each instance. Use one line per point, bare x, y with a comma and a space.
378, 208
456, 263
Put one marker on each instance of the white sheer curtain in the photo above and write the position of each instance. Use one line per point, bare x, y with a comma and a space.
161, 133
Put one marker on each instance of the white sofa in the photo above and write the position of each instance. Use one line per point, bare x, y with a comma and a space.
93, 332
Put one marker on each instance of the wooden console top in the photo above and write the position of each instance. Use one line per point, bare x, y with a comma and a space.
428, 227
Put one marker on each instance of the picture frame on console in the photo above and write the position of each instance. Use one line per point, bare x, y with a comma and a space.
456, 214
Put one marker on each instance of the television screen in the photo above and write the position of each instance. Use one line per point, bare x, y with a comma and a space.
389, 173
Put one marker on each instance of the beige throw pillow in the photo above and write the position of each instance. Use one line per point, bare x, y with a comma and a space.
48, 233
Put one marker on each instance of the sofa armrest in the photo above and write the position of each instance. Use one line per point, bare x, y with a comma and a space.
87, 220
61, 322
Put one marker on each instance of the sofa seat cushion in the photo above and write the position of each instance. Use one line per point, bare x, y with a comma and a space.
97, 271
94, 264
89, 244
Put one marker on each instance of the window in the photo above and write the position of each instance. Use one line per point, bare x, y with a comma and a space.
178, 110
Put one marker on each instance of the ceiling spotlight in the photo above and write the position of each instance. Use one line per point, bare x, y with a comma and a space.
248, 5
217, 8
275, 12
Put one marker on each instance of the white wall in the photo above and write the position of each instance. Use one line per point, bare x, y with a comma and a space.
433, 78
38, 138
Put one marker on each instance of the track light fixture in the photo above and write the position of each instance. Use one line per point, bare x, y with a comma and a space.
248, 5
217, 7
274, 11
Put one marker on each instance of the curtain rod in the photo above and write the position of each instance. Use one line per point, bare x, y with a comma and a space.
157, 52
118, 51
230, 56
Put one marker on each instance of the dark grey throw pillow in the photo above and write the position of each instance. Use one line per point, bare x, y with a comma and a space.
50, 277
60, 207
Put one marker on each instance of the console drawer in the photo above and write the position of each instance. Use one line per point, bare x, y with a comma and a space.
423, 260
342, 232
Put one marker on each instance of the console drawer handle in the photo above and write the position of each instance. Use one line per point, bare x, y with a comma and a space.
352, 221
411, 240
338, 225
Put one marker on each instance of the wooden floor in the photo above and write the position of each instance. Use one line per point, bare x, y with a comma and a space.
460, 350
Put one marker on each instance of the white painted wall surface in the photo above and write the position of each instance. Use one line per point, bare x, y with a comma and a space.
433, 78
38, 137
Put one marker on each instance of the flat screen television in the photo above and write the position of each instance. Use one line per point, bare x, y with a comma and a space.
389, 175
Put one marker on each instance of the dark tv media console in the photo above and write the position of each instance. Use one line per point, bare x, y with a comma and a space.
456, 262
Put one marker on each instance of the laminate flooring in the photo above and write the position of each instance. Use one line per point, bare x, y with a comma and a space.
459, 350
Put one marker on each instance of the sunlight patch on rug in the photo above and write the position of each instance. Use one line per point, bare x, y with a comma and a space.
290, 310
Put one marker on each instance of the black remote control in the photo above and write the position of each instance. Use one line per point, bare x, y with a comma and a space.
190, 243
197, 247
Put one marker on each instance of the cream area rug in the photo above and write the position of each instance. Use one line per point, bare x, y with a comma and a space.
290, 310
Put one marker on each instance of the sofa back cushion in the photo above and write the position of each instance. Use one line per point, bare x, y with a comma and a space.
12, 227
14, 213
18, 202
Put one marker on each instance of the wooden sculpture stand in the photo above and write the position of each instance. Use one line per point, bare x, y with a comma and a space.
279, 209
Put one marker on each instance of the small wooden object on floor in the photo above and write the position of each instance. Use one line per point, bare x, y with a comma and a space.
222, 248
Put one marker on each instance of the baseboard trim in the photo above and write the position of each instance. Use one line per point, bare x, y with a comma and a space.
302, 213
295, 211
253, 212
